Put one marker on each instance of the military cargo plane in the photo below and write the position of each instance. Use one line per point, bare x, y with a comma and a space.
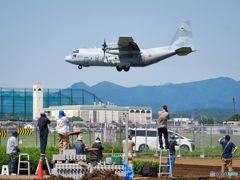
126, 53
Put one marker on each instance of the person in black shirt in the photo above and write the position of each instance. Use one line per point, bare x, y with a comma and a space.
171, 144
43, 122
99, 146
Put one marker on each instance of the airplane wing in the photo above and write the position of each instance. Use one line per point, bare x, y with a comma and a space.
127, 45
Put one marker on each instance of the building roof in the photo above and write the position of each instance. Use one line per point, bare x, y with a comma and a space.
96, 107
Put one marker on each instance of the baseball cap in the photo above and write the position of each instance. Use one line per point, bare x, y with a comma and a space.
42, 113
15, 133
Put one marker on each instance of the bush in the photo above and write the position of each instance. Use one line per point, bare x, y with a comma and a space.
34, 156
138, 165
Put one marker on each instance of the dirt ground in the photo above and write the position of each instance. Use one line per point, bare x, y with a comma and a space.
185, 169
197, 168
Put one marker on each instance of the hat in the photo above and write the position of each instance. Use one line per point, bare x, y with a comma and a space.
61, 114
98, 140
79, 138
15, 133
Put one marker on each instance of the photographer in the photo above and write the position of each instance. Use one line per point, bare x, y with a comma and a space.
130, 150
62, 131
163, 116
99, 146
43, 122
12, 150
229, 149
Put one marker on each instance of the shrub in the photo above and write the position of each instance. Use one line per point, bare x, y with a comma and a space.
138, 165
34, 156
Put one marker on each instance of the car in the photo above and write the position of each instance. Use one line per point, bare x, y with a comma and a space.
52, 130
144, 143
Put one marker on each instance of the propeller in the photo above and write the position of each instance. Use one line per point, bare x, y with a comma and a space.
104, 48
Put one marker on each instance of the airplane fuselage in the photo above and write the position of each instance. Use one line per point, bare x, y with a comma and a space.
94, 57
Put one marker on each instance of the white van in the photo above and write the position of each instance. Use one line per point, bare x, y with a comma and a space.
151, 140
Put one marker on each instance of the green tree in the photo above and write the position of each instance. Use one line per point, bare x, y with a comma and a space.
75, 118
235, 117
206, 120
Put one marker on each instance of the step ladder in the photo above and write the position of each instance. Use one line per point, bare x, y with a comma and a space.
25, 161
163, 163
5, 170
44, 156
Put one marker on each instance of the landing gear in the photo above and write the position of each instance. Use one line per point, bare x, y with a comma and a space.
119, 68
125, 68
79, 66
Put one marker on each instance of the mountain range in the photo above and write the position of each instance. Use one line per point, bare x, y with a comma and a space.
219, 93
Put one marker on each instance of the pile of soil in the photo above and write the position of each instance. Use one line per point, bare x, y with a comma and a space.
101, 175
95, 175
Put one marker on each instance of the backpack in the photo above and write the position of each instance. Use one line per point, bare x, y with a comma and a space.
146, 169
149, 171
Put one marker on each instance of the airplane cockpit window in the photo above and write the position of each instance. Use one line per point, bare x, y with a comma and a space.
74, 55
76, 51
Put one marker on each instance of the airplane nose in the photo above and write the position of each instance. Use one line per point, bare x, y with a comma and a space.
68, 58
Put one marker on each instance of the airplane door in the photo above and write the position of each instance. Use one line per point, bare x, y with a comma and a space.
86, 60
97, 57
142, 59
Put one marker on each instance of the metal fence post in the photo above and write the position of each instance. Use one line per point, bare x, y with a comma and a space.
211, 137
36, 135
54, 137
202, 140
126, 143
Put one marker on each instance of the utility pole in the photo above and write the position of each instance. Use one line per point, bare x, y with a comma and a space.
234, 97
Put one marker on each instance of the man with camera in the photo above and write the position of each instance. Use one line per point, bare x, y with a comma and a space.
129, 151
43, 122
229, 149
12, 150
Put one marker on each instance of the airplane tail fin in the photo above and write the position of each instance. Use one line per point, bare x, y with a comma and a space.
182, 41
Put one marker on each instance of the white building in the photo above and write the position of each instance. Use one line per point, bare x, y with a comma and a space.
103, 113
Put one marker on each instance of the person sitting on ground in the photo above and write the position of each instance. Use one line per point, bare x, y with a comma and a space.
79, 146
97, 144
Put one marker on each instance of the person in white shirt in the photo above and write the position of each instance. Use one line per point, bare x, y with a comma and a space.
62, 130
12, 150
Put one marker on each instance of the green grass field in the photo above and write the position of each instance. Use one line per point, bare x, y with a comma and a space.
212, 147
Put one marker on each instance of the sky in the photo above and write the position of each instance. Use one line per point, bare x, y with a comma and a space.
35, 37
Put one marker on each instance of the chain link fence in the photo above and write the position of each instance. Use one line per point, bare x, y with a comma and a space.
202, 136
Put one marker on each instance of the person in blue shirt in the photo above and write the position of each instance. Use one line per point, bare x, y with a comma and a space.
229, 149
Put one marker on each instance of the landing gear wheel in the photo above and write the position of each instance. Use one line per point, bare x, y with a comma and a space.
79, 66
119, 68
126, 68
